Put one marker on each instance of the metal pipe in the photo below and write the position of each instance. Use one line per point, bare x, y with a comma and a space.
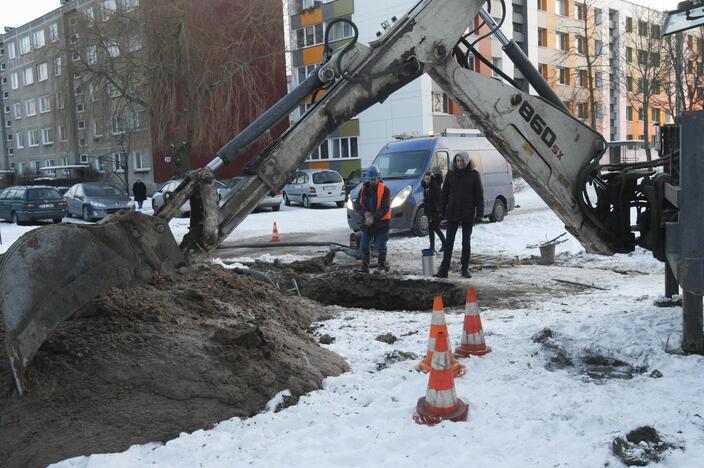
518, 57
266, 121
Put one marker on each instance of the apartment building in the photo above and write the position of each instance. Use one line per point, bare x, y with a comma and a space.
77, 95
53, 117
580, 47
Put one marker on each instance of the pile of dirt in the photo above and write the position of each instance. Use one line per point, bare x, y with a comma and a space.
148, 363
641, 447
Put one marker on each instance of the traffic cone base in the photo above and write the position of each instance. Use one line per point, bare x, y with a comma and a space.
440, 402
472, 343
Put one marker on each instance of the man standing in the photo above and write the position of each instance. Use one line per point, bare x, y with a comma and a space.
139, 190
431, 203
373, 205
462, 201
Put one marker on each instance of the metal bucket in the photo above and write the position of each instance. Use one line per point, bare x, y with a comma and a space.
428, 262
547, 254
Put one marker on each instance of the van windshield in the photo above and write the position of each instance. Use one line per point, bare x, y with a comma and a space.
402, 165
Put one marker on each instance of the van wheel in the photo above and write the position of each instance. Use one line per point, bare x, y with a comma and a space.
306, 202
498, 212
15, 219
340, 204
287, 202
420, 223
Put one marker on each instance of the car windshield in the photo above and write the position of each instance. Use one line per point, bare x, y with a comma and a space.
401, 165
108, 191
42, 194
327, 177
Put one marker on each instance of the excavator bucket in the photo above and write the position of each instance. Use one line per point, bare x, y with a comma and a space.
54, 271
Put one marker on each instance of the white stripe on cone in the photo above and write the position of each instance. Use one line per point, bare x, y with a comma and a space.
441, 398
473, 339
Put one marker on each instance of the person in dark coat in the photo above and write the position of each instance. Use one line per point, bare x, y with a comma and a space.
373, 205
431, 205
139, 190
437, 175
462, 200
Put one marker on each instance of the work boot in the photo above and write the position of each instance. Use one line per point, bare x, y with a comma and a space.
465, 273
365, 266
440, 274
382, 266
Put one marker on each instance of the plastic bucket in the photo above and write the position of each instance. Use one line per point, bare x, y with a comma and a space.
428, 262
547, 254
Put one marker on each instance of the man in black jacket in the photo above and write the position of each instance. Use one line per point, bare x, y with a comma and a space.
431, 205
462, 201
139, 190
374, 206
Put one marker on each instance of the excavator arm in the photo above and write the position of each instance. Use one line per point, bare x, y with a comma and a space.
53, 271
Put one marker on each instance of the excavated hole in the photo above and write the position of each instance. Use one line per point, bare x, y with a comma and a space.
368, 291
641, 447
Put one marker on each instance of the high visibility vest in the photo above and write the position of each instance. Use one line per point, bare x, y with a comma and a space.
379, 196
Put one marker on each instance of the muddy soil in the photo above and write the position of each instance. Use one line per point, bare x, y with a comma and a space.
148, 363
641, 447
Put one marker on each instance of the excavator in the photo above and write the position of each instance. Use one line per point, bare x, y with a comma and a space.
53, 272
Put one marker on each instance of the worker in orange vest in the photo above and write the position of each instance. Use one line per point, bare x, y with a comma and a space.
373, 206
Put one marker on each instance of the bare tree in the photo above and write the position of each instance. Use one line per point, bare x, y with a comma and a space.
684, 84
589, 76
644, 69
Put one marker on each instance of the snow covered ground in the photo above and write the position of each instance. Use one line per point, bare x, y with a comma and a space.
523, 412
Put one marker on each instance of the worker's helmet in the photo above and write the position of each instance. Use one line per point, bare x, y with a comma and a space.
372, 173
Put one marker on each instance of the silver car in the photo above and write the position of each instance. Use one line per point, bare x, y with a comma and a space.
314, 186
169, 187
96, 200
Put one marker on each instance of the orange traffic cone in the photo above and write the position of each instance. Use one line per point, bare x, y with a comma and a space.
437, 325
472, 334
440, 401
275, 234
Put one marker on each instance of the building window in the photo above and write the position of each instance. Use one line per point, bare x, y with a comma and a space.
118, 162
75, 56
582, 78
3, 66
562, 40
656, 115
79, 107
561, 7
90, 13
643, 28
19, 141
31, 107
77, 91
138, 161
60, 101
109, 9
629, 24
599, 78
84, 159
92, 55
14, 81
114, 50
341, 31
309, 36
33, 138
542, 37
134, 43
7, 109
47, 136
580, 11
42, 72
39, 40
641, 114
18, 110
28, 76
118, 124
498, 65
62, 133
25, 44
130, 5
563, 75
597, 16
53, 32
629, 114
97, 129
81, 124
542, 5
440, 102
582, 110
83, 142
8, 123
11, 51
9, 137
322, 152
44, 104
629, 54
581, 45
57, 66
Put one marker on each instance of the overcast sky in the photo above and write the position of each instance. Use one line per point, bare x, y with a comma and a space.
18, 12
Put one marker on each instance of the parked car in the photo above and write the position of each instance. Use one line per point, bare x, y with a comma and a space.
96, 200
273, 200
402, 165
169, 187
314, 186
355, 178
23, 204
